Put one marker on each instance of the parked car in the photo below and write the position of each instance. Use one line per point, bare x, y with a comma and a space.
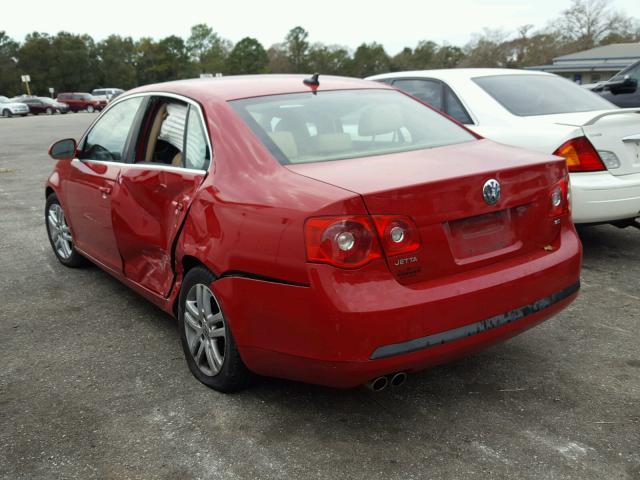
9, 108
622, 88
106, 94
81, 101
38, 105
547, 113
343, 233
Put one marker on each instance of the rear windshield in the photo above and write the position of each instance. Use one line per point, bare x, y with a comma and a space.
335, 125
529, 95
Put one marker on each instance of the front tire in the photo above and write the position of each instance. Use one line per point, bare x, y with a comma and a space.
205, 335
48, 111
60, 235
90, 109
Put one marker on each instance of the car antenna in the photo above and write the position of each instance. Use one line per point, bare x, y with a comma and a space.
312, 81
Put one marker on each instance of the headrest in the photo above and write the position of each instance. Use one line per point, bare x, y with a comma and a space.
379, 119
285, 142
328, 143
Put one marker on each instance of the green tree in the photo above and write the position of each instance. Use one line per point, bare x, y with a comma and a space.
116, 62
329, 60
278, 59
487, 50
403, 61
69, 55
248, 56
297, 47
448, 56
9, 77
370, 59
35, 58
207, 50
162, 61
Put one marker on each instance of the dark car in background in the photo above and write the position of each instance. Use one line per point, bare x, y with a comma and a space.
622, 88
38, 105
79, 102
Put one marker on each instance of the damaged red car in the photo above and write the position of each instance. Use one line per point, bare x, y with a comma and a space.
327, 230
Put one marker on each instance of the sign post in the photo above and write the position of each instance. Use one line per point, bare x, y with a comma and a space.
26, 79
51, 90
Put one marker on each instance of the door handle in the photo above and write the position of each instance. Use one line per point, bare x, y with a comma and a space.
105, 191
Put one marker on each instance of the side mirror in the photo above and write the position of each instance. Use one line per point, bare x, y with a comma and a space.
63, 149
623, 85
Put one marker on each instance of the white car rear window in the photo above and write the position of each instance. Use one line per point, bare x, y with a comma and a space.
529, 95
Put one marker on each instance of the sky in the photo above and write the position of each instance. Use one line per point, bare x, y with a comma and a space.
395, 24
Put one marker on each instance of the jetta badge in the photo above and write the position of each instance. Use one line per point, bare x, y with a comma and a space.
491, 191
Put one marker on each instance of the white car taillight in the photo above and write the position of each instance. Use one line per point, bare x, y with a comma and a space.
610, 159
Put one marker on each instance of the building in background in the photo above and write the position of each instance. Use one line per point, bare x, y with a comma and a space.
594, 65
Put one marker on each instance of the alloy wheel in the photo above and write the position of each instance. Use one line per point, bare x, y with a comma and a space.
59, 230
205, 329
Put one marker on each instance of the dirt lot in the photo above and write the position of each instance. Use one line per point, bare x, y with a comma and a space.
93, 383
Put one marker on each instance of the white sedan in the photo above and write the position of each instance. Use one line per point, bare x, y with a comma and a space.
544, 112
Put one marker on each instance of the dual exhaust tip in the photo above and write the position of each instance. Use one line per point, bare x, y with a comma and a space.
381, 383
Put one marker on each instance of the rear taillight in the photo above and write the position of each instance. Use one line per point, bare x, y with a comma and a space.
398, 234
351, 241
580, 155
560, 198
345, 241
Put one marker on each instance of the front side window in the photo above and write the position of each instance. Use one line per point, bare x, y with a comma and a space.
530, 95
334, 125
108, 138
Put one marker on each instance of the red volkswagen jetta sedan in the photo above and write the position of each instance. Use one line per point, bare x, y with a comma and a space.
332, 230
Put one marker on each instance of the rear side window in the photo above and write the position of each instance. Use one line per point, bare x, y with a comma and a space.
530, 95
196, 147
454, 108
334, 125
428, 91
108, 138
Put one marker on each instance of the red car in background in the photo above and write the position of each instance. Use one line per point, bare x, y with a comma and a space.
79, 102
328, 230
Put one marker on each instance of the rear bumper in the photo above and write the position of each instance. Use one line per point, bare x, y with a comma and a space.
349, 327
603, 197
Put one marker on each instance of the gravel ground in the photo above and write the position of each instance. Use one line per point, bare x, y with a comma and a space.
93, 383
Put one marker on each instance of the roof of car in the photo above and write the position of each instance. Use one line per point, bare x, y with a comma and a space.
245, 86
458, 73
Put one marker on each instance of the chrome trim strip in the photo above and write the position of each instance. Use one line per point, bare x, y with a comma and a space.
474, 328
143, 166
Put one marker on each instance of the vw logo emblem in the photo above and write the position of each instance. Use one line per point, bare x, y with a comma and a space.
491, 191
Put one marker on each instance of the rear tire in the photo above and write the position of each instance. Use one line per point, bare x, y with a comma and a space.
6, 113
206, 337
90, 109
60, 235
48, 111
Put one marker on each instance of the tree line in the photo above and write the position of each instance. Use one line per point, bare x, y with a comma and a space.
71, 62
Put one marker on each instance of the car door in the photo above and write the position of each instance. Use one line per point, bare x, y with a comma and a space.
91, 179
153, 194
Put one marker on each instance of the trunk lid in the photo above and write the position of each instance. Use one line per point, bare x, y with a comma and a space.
442, 190
616, 131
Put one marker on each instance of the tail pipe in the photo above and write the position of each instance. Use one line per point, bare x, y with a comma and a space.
398, 379
381, 383
377, 384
